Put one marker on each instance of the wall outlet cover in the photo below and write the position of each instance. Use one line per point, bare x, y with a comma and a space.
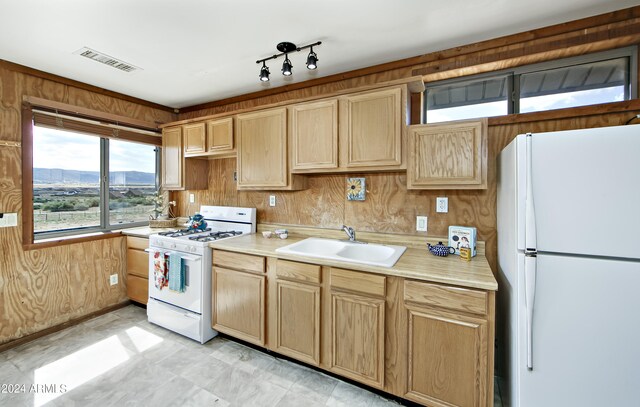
192, 198
421, 223
442, 204
8, 220
113, 279
272, 200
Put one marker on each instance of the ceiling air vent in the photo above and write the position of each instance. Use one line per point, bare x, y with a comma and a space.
106, 59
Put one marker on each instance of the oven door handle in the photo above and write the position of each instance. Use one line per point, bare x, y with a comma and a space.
189, 258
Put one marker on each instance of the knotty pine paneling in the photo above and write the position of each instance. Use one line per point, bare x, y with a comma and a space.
46, 287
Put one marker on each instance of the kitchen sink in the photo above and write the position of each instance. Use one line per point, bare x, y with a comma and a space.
369, 253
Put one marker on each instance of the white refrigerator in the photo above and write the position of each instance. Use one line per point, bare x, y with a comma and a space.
569, 268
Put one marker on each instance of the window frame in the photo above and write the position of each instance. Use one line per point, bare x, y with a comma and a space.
32, 239
513, 76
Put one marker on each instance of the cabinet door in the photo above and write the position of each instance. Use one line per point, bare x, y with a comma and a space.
220, 135
314, 135
138, 289
373, 128
298, 321
357, 338
449, 155
239, 304
172, 158
194, 138
447, 359
262, 149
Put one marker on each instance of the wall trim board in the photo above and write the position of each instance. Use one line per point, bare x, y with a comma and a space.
56, 328
11, 66
610, 25
71, 240
630, 106
415, 86
59, 107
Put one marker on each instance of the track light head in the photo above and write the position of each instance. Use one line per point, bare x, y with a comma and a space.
264, 72
286, 66
312, 60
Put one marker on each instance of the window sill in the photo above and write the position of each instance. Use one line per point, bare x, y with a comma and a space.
65, 240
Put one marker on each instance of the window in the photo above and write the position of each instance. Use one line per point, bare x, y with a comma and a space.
90, 175
587, 80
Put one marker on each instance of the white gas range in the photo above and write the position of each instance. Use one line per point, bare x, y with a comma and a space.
189, 313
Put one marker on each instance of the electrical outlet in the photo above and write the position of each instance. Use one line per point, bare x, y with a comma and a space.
192, 198
8, 220
442, 204
113, 279
272, 200
421, 223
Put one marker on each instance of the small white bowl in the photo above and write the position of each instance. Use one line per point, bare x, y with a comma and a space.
266, 234
284, 235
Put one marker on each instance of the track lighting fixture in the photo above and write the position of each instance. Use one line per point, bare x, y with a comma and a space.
312, 60
285, 49
286, 66
264, 72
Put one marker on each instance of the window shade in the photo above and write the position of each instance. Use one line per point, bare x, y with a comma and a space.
93, 127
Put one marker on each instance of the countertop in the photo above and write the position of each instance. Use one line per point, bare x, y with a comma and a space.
415, 263
145, 231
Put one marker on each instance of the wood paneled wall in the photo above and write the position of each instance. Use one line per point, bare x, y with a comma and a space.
389, 206
46, 287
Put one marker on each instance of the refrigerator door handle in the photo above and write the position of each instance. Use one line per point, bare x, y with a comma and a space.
529, 299
529, 210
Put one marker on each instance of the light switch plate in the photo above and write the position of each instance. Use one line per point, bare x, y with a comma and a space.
272, 200
442, 204
421, 223
8, 220
113, 279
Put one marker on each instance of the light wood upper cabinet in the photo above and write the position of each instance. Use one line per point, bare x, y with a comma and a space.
357, 326
314, 135
360, 131
371, 127
449, 155
178, 172
194, 138
447, 352
172, 158
220, 135
210, 139
263, 161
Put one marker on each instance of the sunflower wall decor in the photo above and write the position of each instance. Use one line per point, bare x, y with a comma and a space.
356, 190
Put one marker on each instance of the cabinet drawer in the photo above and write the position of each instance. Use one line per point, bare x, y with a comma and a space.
359, 282
290, 270
239, 261
138, 263
454, 298
138, 289
139, 243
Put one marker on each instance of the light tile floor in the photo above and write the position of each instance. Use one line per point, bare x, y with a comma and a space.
120, 359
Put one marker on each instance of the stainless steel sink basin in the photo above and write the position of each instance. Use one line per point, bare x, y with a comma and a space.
370, 253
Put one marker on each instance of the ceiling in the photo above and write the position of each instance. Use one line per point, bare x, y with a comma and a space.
196, 51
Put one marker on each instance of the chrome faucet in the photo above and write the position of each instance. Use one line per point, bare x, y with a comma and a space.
350, 232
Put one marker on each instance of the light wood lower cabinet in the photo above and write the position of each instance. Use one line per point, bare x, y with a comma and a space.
137, 269
297, 319
448, 352
357, 338
426, 342
239, 296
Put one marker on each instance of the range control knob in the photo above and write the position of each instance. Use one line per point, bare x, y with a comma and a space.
192, 249
173, 245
